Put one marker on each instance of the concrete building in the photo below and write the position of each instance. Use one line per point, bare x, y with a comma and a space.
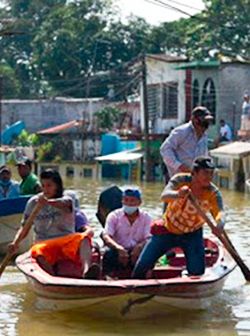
175, 87
41, 114
166, 92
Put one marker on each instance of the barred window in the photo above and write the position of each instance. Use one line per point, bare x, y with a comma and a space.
154, 100
196, 93
170, 100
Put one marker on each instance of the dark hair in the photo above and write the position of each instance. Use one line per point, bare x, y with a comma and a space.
203, 162
53, 175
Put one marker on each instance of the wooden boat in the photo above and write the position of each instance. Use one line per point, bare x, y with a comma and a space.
168, 284
11, 211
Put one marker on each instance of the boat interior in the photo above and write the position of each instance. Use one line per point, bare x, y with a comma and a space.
174, 265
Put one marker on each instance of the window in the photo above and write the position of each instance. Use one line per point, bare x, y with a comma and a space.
154, 101
69, 171
87, 172
209, 96
196, 93
170, 100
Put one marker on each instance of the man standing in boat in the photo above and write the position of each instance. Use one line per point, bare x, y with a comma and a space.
181, 225
186, 142
30, 184
125, 233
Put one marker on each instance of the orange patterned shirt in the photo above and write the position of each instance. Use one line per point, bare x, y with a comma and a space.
181, 216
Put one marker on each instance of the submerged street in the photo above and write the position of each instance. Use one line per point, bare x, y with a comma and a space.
228, 315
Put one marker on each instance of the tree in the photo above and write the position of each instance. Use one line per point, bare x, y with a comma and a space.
222, 27
107, 117
11, 85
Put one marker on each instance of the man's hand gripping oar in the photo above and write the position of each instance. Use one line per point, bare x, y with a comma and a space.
222, 236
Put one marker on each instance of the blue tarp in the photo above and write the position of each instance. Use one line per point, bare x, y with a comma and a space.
111, 143
12, 132
13, 206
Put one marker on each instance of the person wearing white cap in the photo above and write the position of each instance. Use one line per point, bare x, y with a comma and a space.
8, 187
126, 232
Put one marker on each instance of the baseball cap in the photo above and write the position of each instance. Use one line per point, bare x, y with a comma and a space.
24, 161
203, 162
202, 111
4, 169
132, 192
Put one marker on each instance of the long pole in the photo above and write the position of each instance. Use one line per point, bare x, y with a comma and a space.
223, 237
145, 117
234, 114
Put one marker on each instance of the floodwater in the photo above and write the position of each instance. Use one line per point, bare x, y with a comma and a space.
229, 313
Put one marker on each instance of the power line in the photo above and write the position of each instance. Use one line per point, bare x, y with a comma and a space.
184, 5
164, 5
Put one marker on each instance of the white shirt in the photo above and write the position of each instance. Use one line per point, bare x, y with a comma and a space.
225, 131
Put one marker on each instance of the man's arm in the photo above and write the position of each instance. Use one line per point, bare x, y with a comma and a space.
109, 241
169, 150
171, 193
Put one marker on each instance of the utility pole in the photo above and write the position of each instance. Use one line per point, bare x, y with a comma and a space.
1, 98
145, 118
234, 114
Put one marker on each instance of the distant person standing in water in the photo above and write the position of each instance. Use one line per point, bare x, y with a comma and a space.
30, 184
8, 187
245, 116
186, 142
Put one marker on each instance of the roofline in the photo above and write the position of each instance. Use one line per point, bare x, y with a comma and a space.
176, 59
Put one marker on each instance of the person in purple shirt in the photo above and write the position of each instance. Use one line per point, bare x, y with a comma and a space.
81, 220
186, 142
126, 232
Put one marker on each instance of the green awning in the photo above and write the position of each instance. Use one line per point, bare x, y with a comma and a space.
199, 64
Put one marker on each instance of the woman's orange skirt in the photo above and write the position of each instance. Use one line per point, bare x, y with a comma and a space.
54, 250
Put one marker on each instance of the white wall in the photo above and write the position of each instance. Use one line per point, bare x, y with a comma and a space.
163, 72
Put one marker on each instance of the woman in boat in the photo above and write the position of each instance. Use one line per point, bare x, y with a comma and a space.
54, 227
182, 225
81, 220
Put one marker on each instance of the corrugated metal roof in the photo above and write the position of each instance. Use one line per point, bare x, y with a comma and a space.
199, 64
167, 58
62, 127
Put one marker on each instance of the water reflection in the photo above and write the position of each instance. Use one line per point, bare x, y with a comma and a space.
229, 313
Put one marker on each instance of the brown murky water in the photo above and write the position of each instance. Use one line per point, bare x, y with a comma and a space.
228, 315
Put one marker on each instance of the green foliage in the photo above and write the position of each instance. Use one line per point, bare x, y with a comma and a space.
27, 139
107, 117
44, 152
57, 159
11, 85
61, 47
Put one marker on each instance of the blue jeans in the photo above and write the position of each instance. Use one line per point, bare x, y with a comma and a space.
191, 243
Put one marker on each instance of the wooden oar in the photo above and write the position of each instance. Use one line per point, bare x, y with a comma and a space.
26, 227
222, 235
